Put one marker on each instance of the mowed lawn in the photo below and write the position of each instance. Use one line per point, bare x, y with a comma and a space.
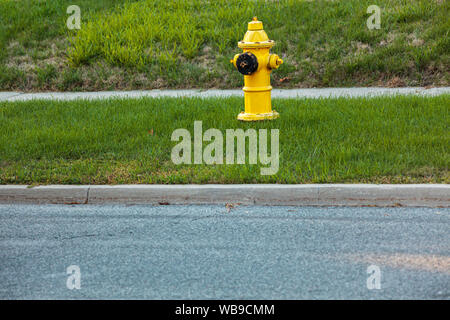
125, 44
380, 140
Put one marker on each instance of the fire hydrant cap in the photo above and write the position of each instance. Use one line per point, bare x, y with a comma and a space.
255, 24
255, 37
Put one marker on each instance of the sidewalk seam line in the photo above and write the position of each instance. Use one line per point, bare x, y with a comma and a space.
16, 95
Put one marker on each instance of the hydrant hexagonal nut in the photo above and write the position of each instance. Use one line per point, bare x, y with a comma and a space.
247, 63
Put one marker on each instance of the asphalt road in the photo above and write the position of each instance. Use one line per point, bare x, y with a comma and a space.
206, 252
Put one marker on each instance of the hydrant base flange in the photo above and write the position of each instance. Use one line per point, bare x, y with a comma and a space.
258, 116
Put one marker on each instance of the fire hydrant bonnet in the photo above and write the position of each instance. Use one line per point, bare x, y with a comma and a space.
255, 37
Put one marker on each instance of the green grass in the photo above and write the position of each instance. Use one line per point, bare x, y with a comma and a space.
385, 139
34, 37
174, 44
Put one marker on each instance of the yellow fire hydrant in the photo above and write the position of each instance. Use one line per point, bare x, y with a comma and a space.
256, 63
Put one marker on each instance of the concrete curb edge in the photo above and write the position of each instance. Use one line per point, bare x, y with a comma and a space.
415, 195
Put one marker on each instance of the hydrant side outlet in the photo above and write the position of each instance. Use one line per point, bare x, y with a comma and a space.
256, 63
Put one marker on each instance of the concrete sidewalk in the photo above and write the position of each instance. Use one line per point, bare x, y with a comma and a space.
276, 93
415, 195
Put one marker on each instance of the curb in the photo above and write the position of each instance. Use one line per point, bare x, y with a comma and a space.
383, 195
312, 93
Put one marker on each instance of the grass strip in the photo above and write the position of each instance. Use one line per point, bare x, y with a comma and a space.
402, 139
188, 43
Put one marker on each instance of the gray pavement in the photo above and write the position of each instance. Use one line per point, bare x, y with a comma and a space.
211, 252
276, 93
